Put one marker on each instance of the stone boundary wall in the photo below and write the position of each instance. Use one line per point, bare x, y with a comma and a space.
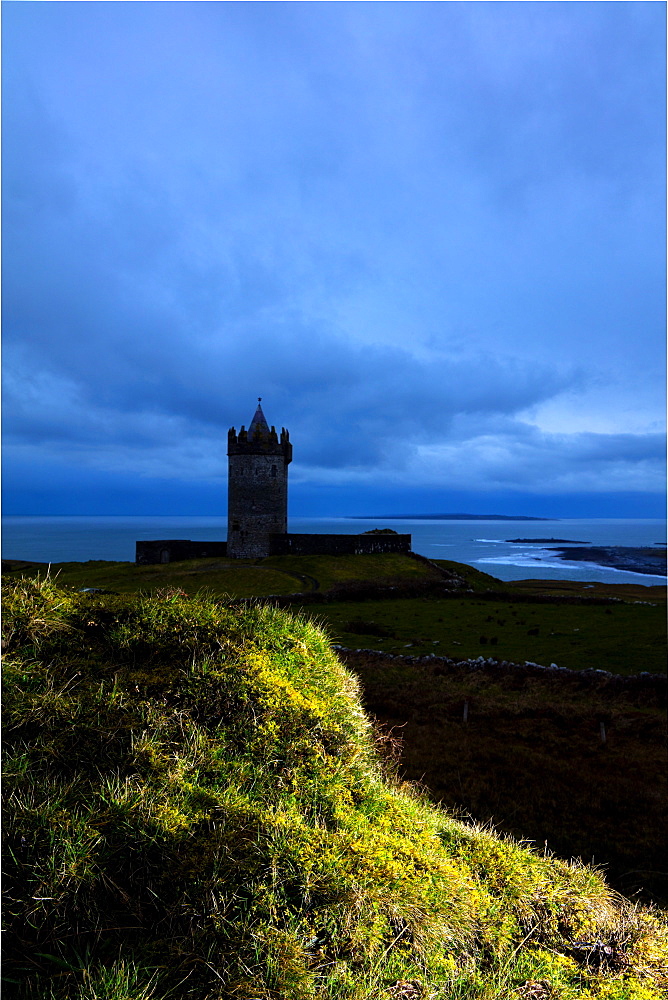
454, 589
338, 545
588, 677
175, 549
360, 591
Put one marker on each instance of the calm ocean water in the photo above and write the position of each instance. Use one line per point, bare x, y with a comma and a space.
480, 543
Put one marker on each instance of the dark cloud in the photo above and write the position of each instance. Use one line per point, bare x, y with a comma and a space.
411, 228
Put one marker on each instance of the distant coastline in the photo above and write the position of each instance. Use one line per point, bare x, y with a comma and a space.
633, 559
74, 538
536, 541
447, 517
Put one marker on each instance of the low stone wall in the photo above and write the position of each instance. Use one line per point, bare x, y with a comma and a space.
176, 549
600, 679
337, 545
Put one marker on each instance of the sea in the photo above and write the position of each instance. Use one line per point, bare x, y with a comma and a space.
483, 544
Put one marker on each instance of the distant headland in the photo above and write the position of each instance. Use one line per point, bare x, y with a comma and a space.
448, 517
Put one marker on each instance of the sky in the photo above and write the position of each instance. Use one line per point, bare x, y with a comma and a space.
429, 235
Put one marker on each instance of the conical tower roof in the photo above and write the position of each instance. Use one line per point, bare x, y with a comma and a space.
258, 425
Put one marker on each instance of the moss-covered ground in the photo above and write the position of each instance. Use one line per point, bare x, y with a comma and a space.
197, 806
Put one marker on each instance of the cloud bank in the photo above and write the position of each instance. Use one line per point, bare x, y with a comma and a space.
427, 235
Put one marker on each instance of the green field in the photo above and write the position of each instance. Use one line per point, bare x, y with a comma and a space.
623, 638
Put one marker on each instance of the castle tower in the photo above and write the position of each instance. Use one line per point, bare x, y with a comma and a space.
257, 505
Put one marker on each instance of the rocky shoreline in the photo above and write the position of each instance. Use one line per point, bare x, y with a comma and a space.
543, 541
651, 561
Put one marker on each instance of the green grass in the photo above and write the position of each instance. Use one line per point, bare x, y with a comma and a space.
197, 806
236, 577
622, 638
332, 571
475, 578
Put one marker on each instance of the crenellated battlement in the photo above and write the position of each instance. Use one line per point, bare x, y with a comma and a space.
259, 442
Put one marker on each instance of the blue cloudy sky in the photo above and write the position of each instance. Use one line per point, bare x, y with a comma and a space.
429, 235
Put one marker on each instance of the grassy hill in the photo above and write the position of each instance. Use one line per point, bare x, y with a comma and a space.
197, 806
237, 577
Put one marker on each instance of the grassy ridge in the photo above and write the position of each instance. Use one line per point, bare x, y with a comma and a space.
197, 807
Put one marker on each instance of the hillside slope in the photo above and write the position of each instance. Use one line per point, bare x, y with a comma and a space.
197, 806
244, 577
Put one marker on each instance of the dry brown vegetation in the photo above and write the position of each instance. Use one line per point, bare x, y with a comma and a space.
530, 756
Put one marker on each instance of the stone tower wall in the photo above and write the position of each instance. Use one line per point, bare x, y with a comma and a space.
170, 550
257, 492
